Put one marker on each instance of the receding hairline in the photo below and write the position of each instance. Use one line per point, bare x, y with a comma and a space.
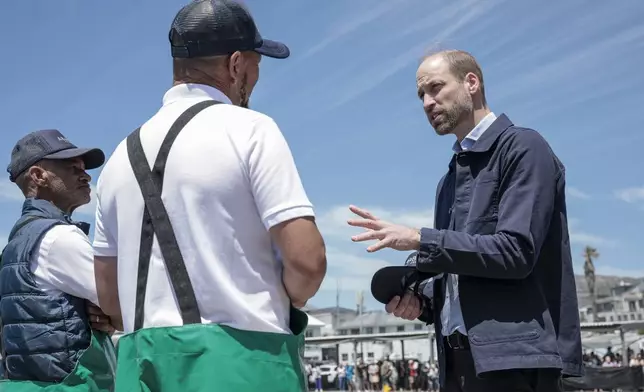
453, 57
460, 63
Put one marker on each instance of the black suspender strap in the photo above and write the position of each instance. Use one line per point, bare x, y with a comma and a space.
156, 221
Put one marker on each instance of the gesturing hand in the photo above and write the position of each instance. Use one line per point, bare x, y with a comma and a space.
389, 235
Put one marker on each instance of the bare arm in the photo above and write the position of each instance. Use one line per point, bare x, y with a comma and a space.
105, 274
304, 256
285, 211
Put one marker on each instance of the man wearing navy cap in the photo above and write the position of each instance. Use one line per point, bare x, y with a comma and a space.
47, 274
209, 305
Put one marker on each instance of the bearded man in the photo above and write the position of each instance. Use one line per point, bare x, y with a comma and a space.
503, 301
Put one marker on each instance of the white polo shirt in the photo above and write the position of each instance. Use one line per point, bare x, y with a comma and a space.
230, 176
64, 263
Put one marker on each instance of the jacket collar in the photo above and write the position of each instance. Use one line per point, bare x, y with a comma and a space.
42, 209
47, 210
489, 137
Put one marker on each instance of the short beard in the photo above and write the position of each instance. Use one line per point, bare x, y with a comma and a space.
455, 115
244, 98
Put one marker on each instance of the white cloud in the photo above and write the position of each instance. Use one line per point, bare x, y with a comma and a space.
351, 26
354, 271
580, 237
333, 222
448, 12
585, 58
576, 193
370, 78
631, 195
9, 192
583, 238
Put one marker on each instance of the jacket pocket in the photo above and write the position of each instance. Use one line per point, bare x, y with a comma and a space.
482, 340
484, 203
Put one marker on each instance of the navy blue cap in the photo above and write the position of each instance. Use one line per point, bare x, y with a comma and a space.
49, 144
219, 27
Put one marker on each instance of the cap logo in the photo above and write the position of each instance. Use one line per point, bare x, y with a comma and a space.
63, 139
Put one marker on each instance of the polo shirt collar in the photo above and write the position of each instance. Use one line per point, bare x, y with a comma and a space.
194, 90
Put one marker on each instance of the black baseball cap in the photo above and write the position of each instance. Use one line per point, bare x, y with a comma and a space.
219, 27
49, 144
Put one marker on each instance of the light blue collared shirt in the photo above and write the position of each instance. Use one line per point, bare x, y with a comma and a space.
451, 315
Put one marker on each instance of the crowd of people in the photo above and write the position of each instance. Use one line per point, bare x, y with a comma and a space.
372, 376
613, 359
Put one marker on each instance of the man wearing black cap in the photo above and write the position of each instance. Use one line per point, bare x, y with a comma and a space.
212, 303
47, 274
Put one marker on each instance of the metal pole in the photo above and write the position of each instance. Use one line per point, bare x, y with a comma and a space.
624, 347
360, 306
431, 348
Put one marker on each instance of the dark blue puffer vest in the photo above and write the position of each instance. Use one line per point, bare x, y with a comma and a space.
42, 335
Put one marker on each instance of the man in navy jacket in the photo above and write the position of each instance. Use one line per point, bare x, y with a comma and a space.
504, 302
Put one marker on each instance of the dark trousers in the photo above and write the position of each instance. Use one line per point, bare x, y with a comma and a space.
461, 376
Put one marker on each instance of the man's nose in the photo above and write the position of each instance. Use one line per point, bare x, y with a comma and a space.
428, 103
85, 177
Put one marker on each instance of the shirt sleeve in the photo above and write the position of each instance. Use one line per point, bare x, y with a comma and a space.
275, 182
528, 191
66, 262
104, 238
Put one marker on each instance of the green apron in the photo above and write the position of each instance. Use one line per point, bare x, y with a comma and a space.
94, 372
196, 357
210, 357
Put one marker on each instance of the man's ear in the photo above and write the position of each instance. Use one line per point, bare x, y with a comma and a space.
38, 176
236, 66
473, 83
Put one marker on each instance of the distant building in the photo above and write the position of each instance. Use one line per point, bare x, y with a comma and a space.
343, 321
382, 322
618, 299
626, 303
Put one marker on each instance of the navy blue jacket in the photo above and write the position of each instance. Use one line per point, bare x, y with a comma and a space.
501, 226
42, 335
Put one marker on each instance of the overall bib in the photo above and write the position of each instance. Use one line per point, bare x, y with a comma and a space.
195, 357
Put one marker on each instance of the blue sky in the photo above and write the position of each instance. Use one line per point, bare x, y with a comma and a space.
346, 102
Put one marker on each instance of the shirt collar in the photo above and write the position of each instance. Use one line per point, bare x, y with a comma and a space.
475, 133
194, 90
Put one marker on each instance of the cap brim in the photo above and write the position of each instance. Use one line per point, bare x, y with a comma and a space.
93, 157
389, 282
274, 49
